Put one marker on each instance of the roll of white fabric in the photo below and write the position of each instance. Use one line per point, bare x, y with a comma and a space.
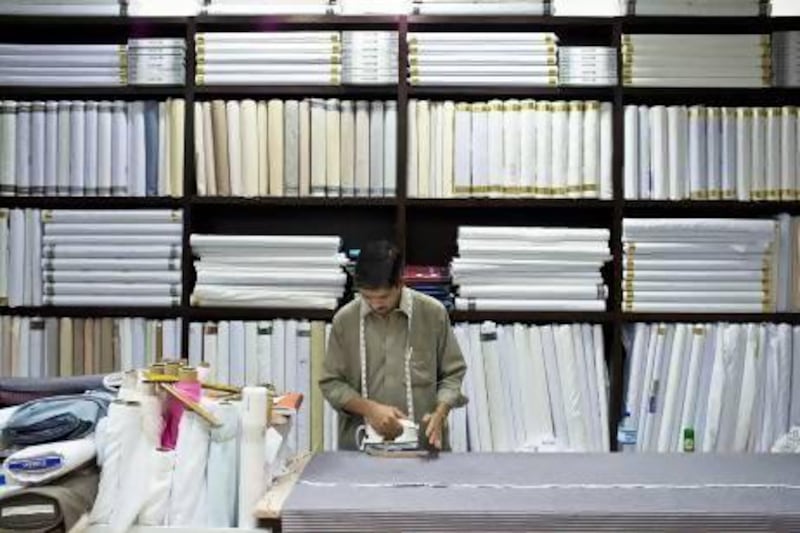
333, 146
187, 497
115, 443
221, 474
714, 152
252, 473
8, 133
632, 167
480, 150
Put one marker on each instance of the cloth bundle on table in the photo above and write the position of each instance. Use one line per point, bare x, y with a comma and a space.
54, 507
16, 391
56, 418
43, 463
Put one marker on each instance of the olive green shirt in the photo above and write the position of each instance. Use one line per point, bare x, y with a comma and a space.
437, 365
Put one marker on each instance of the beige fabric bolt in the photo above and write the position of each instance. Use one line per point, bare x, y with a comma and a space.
275, 118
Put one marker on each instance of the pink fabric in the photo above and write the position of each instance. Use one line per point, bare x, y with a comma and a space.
174, 412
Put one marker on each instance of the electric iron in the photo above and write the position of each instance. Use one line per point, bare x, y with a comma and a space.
370, 441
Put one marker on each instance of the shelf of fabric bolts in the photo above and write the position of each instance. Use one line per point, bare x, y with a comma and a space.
600, 30
90, 202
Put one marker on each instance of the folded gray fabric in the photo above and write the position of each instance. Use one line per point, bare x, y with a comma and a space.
57, 418
16, 391
50, 508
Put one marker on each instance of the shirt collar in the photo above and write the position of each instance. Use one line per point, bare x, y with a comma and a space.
405, 305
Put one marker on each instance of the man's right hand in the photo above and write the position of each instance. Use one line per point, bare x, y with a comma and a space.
385, 419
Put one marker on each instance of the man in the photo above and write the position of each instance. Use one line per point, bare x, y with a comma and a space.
394, 322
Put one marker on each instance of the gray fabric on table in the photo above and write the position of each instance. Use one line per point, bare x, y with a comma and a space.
515, 492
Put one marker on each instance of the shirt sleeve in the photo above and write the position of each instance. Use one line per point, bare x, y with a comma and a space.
451, 367
333, 382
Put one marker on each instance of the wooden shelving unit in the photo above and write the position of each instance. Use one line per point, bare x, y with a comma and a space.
425, 228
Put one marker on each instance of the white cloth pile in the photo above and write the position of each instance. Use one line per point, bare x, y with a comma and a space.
269, 7
726, 388
482, 58
695, 8
369, 57
481, 7
786, 58
532, 388
696, 60
708, 265
65, 65
156, 61
530, 268
111, 257
587, 65
511, 148
268, 271
711, 153
269, 58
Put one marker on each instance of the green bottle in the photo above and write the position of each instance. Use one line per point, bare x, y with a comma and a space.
688, 440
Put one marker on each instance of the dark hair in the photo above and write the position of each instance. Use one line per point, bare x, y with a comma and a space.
380, 265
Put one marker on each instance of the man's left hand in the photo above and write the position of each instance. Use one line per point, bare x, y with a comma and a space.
433, 425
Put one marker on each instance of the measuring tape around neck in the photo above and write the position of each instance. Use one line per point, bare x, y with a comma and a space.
409, 351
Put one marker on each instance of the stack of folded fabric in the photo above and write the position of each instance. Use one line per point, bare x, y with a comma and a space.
510, 148
16, 391
587, 65
724, 388
91, 148
63, 8
369, 57
269, 7
481, 7
530, 268
269, 58
431, 280
696, 60
268, 271
532, 388
711, 153
482, 58
62, 64
709, 265
53, 347
786, 58
111, 258
156, 61
159, 8
718, 8
291, 148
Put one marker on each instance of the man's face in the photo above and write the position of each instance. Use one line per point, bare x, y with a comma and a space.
382, 300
